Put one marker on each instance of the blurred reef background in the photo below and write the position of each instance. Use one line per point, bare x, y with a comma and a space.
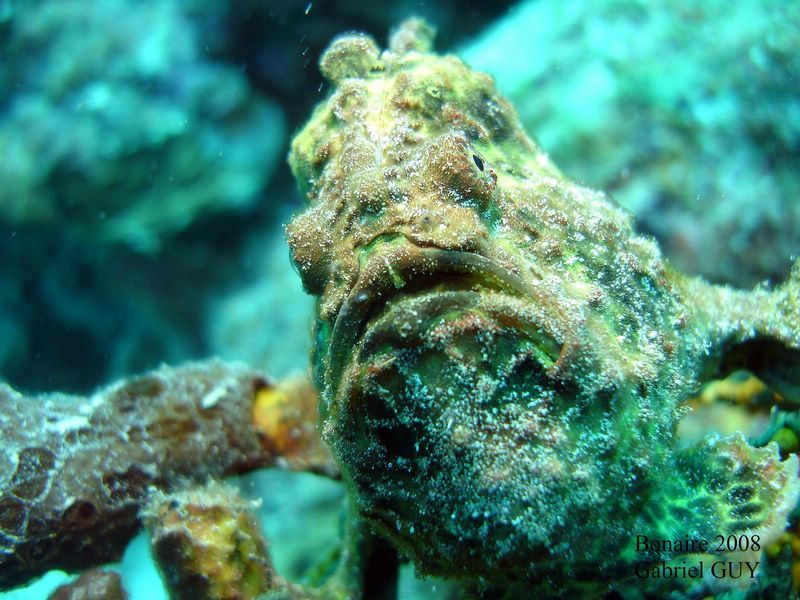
143, 184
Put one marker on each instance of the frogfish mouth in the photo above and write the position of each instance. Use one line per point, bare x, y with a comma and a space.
502, 360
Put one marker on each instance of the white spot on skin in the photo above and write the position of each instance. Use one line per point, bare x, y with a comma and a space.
213, 397
66, 425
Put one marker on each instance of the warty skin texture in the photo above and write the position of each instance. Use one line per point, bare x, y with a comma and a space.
502, 360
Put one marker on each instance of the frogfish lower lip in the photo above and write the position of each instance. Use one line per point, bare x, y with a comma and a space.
405, 268
439, 402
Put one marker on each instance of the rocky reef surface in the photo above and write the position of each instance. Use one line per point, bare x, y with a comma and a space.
120, 133
117, 126
687, 113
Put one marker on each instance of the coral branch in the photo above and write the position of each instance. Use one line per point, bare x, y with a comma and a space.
209, 545
75, 472
286, 417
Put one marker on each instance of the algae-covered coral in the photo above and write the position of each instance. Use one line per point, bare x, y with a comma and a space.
77, 471
502, 360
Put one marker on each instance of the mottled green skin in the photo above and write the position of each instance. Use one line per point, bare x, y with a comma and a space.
501, 358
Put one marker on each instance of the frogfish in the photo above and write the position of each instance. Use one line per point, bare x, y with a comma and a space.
502, 360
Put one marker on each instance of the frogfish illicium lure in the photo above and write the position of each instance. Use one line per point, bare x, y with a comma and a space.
502, 360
